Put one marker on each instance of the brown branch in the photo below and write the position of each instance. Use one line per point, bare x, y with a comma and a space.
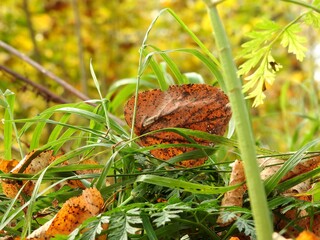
64, 84
46, 72
41, 89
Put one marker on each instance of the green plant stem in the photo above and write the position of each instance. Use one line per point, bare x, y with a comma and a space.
304, 4
258, 199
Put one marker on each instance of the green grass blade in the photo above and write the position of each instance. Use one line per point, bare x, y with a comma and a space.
171, 64
83, 113
50, 111
212, 66
281, 187
65, 137
103, 100
102, 179
148, 226
183, 185
37, 132
28, 218
128, 81
8, 127
120, 97
54, 135
272, 182
193, 36
158, 71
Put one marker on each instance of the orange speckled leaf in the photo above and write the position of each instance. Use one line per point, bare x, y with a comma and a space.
7, 165
193, 106
8, 186
307, 235
36, 164
75, 211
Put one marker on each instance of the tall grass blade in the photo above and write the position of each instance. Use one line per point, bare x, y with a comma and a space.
183, 185
272, 182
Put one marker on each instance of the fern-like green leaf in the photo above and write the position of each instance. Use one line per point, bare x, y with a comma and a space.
120, 225
264, 74
169, 212
313, 19
93, 228
161, 218
294, 42
259, 38
246, 226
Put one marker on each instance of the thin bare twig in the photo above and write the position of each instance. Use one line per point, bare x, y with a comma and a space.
60, 81
46, 72
47, 94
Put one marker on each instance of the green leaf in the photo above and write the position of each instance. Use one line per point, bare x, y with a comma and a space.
283, 186
246, 226
272, 182
294, 42
260, 38
148, 226
8, 125
120, 225
92, 226
313, 19
183, 185
165, 216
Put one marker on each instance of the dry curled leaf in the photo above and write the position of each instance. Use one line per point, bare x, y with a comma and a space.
193, 106
73, 212
302, 167
299, 218
31, 164
235, 196
271, 166
7, 165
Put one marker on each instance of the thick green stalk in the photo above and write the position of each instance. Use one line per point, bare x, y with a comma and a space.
258, 199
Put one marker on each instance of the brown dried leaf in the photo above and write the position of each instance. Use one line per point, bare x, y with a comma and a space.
30, 166
270, 167
300, 217
235, 196
193, 106
7, 165
75, 211
8, 186
304, 166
